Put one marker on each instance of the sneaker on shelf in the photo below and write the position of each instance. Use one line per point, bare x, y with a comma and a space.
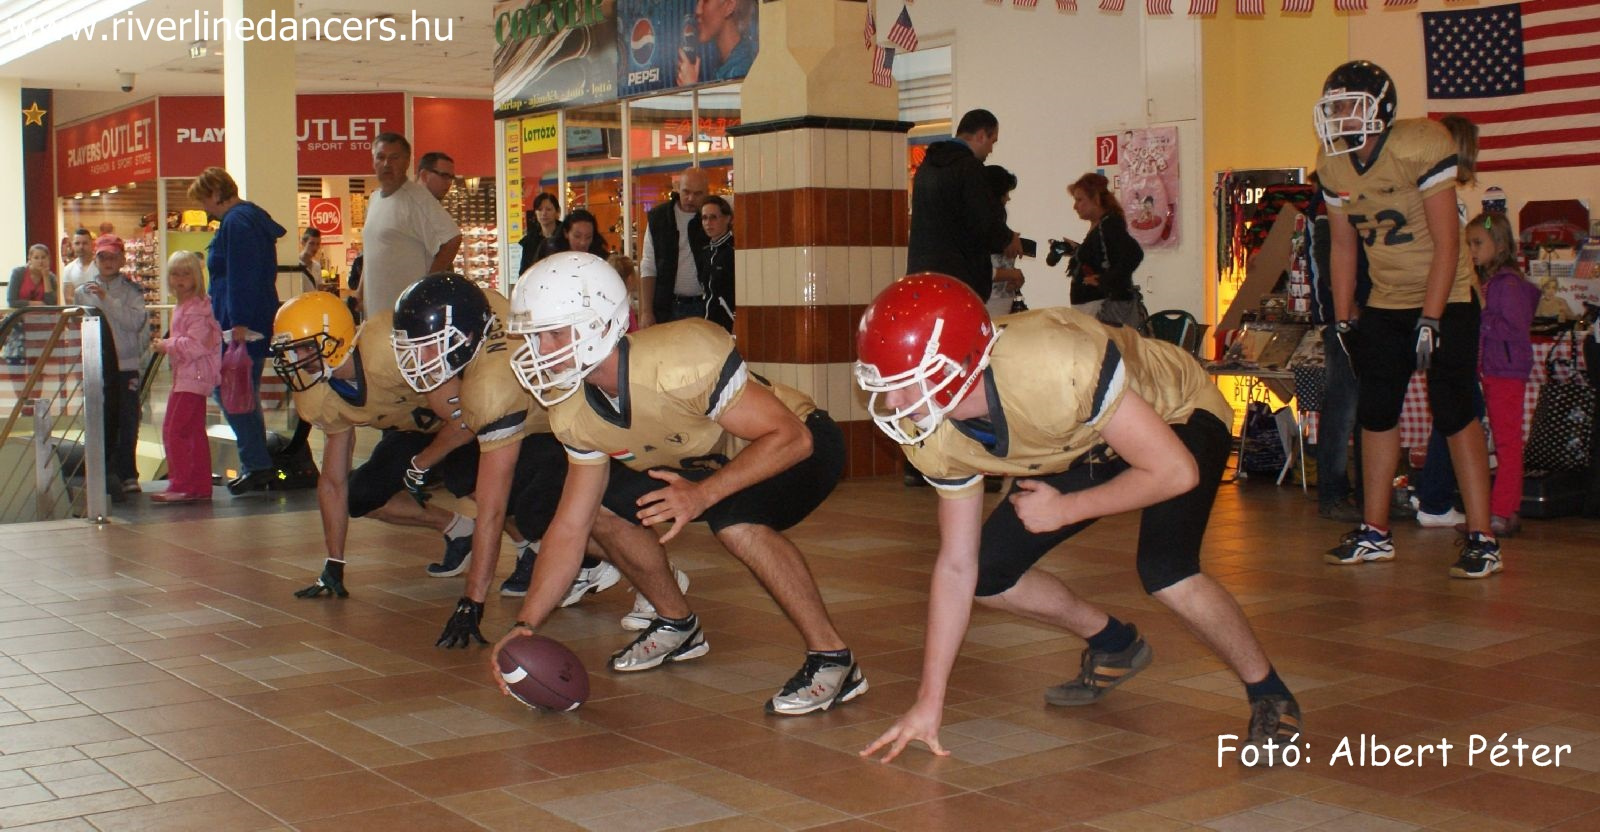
820, 684
643, 611
516, 584
1275, 718
1100, 671
457, 556
1444, 520
1360, 546
1480, 557
661, 642
1340, 512
594, 579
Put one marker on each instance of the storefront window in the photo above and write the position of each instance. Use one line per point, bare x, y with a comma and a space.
594, 168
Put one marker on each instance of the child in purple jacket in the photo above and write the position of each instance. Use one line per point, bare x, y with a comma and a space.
194, 348
1505, 357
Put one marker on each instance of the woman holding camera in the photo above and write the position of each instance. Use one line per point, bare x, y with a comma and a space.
1102, 265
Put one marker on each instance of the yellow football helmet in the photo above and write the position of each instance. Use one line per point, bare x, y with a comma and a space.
311, 337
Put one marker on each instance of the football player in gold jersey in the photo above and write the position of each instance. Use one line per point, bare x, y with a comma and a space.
1390, 190
1092, 420
649, 421
450, 343
341, 379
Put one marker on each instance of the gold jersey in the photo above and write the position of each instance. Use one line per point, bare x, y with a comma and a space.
1055, 378
1383, 199
674, 381
493, 403
382, 399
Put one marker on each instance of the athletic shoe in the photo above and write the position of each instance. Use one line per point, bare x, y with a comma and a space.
1275, 718
1443, 520
643, 611
661, 643
594, 579
254, 481
1480, 557
820, 684
457, 557
1101, 671
1362, 545
516, 585
327, 584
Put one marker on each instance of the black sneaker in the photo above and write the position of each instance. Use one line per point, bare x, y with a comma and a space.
327, 584
516, 585
1480, 557
1274, 718
457, 555
262, 480
1101, 671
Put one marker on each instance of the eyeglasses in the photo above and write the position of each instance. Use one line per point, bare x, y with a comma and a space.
448, 177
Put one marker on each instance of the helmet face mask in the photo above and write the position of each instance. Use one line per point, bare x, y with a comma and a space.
440, 325
303, 363
313, 336
1358, 101
931, 380
428, 361
571, 310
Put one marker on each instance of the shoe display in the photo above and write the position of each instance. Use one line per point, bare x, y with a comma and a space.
819, 685
1100, 671
516, 584
659, 643
594, 579
1361, 546
1480, 557
1445, 520
1341, 511
457, 557
1275, 718
254, 481
643, 611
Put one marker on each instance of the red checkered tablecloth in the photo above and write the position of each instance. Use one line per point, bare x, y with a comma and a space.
1416, 419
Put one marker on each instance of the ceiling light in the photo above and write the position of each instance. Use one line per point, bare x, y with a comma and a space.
199, 49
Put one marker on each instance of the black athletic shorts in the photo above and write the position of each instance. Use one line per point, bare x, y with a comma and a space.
382, 476
1170, 531
778, 503
1384, 354
537, 484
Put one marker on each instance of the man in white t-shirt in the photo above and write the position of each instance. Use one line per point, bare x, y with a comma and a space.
670, 287
81, 269
408, 234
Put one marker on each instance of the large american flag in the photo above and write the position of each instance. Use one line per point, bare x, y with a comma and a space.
1528, 74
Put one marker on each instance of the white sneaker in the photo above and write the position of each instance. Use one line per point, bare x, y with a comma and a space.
1447, 520
643, 611
596, 579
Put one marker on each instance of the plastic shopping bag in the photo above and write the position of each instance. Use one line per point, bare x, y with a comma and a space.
238, 393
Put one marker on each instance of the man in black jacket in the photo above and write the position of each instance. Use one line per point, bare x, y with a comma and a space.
670, 286
956, 222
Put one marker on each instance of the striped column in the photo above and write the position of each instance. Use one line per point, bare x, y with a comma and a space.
820, 226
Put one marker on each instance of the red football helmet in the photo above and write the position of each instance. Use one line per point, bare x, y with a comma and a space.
929, 330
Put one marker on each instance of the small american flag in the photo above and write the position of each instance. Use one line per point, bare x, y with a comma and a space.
1158, 6
1066, 5
902, 33
1250, 7
1393, 4
1352, 5
1297, 5
1200, 7
882, 66
1026, 4
871, 32
1525, 73
1111, 5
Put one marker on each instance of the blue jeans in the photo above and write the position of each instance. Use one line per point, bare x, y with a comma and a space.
250, 429
683, 307
1337, 423
1436, 484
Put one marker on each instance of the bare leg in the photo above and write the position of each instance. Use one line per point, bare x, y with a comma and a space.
1042, 597
1469, 453
641, 558
1215, 618
1380, 456
782, 571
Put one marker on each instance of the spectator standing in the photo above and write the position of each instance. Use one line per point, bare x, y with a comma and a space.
244, 297
1102, 267
1507, 357
1338, 420
716, 216
30, 284
1007, 277
80, 269
670, 287
580, 231
543, 222
121, 303
194, 348
437, 172
310, 262
408, 234
956, 222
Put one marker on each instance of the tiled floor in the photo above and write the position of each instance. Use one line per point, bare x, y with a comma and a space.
158, 674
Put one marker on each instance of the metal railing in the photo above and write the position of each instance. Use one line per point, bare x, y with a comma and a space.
52, 395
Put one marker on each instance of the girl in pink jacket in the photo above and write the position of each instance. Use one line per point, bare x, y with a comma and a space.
194, 348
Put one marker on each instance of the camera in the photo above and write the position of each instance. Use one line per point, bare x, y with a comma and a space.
1058, 250
125, 80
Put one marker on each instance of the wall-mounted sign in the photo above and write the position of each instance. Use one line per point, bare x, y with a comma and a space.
553, 53
326, 217
192, 138
1105, 151
114, 149
335, 132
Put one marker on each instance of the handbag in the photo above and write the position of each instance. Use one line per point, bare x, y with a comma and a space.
1563, 420
1263, 451
238, 392
1131, 312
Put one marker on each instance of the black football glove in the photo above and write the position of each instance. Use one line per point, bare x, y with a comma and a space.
416, 479
462, 627
328, 584
1427, 341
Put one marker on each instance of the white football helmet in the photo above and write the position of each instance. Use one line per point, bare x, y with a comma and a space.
573, 292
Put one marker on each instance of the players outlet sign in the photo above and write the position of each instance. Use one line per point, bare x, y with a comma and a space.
111, 150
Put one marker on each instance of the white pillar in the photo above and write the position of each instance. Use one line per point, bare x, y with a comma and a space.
13, 204
258, 83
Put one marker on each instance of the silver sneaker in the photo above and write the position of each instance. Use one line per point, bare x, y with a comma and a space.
661, 643
818, 686
643, 611
595, 579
